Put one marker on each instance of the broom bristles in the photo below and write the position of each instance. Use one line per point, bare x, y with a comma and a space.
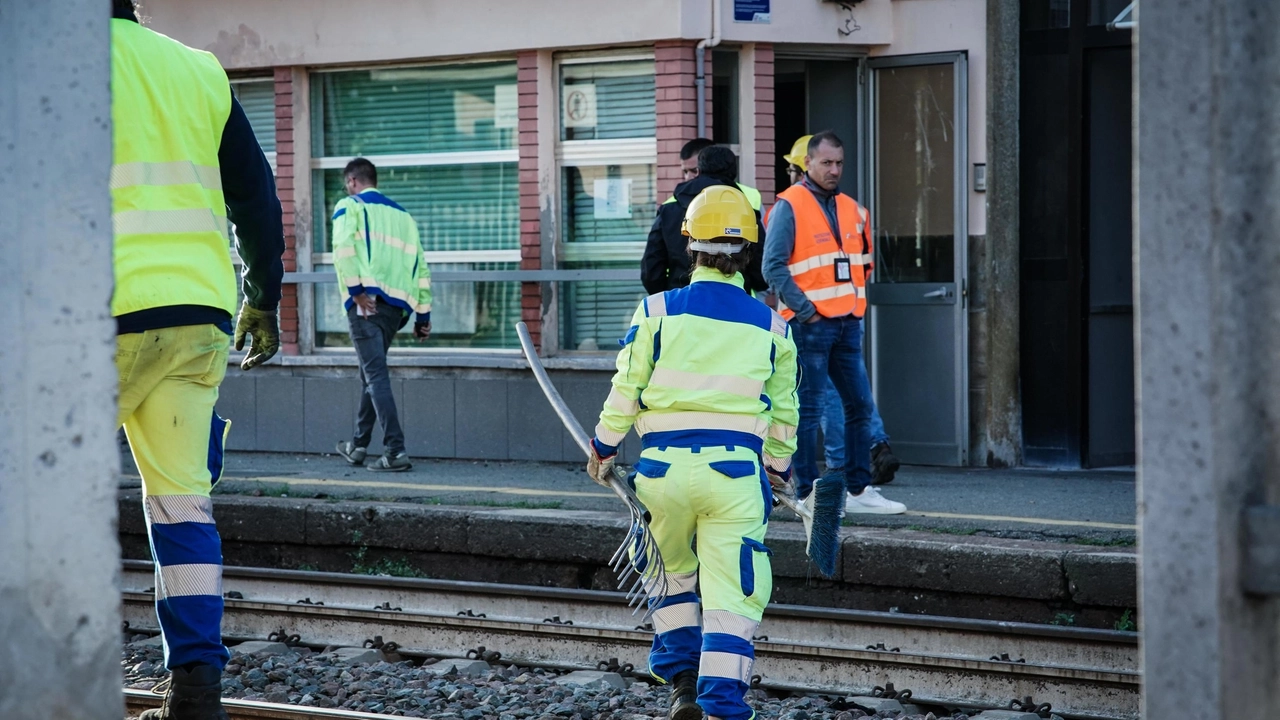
824, 504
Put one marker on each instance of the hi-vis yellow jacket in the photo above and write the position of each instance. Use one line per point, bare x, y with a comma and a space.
706, 365
376, 250
167, 207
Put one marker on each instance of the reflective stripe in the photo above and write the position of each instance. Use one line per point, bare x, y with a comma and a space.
171, 509
619, 402
656, 305
782, 431
674, 617
858, 259
723, 621
662, 422
391, 241
779, 325
835, 291
694, 382
422, 309
779, 464
815, 262
180, 172
180, 580
164, 222
354, 282
681, 582
725, 665
609, 437
424, 283
344, 252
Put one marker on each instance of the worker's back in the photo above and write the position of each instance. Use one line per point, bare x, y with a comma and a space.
384, 251
169, 106
714, 350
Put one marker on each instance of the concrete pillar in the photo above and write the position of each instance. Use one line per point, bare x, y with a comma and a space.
995, 404
1208, 341
59, 558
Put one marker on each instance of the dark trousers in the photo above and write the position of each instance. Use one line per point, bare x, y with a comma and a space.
372, 337
832, 347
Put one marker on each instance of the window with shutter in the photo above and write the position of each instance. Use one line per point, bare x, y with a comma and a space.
257, 97
608, 154
444, 140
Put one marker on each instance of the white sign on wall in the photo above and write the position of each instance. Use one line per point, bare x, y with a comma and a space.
612, 198
580, 106
506, 113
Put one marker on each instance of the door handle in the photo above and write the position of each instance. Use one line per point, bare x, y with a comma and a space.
939, 293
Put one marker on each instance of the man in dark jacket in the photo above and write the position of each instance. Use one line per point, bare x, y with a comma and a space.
666, 263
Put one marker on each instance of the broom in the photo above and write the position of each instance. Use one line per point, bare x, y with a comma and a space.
820, 514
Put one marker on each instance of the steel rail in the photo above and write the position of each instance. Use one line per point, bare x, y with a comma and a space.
828, 665
135, 701
795, 624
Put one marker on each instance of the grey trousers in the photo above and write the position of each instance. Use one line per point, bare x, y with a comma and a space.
372, 337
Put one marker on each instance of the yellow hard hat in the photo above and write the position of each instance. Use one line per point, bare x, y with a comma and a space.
720, 220
798, 152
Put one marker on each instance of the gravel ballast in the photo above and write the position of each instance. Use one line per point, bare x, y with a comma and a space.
504, 692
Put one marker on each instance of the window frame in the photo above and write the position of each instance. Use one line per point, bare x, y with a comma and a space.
591, 153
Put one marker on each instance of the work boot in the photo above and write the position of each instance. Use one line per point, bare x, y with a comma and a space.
883, 464
191, 695
388, 462
352, 454
684, 697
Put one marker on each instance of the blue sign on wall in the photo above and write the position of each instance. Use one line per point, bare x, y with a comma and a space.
751, 11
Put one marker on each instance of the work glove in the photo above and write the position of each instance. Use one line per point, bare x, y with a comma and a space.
263, 328
600, 468
780, 482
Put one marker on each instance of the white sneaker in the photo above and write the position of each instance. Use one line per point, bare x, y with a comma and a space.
871, 502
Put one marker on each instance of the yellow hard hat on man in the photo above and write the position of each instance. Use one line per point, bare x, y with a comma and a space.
720, 213
798, 152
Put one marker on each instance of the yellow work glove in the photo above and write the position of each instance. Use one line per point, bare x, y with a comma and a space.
264, 329
600, 468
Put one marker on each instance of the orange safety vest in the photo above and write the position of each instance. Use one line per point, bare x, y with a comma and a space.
816, 250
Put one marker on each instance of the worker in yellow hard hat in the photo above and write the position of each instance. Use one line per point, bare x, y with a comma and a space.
717, 371
796, 167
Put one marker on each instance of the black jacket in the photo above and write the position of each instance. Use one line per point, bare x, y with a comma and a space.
666, 264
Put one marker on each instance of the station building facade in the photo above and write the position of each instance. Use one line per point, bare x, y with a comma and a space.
533, 143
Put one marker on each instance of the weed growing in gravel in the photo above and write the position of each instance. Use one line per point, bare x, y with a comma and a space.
1063, 618
1127, 623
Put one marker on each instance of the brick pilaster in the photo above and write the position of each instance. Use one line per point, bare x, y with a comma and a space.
530, 204
284, 189
677, 107
766, 148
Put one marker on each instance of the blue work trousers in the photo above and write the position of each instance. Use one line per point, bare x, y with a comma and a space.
832, 348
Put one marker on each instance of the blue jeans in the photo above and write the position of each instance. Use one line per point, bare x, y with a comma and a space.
832, 348
833, 427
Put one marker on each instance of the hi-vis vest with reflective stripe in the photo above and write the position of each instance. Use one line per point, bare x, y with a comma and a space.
816, 250
169, 105
377, 250
753, 197
706, 365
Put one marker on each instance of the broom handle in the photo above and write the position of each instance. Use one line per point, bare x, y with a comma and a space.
794, 506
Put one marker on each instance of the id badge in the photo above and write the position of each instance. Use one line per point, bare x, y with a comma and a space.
843, 273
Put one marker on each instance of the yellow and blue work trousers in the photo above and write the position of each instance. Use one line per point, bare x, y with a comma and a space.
168, 386
720, 495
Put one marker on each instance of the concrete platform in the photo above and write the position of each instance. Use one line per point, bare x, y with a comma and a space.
1063, 552
1087, 507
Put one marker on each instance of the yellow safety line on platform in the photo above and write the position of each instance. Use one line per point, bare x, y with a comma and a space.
1030, 521
412, 486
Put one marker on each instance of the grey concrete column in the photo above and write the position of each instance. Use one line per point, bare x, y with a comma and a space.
59, 558
995, 405
1208, 341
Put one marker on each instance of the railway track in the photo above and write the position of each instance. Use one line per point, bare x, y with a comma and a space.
1083, 673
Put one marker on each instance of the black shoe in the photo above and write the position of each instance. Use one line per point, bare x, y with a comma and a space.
883, 464
684, 697
191, 695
